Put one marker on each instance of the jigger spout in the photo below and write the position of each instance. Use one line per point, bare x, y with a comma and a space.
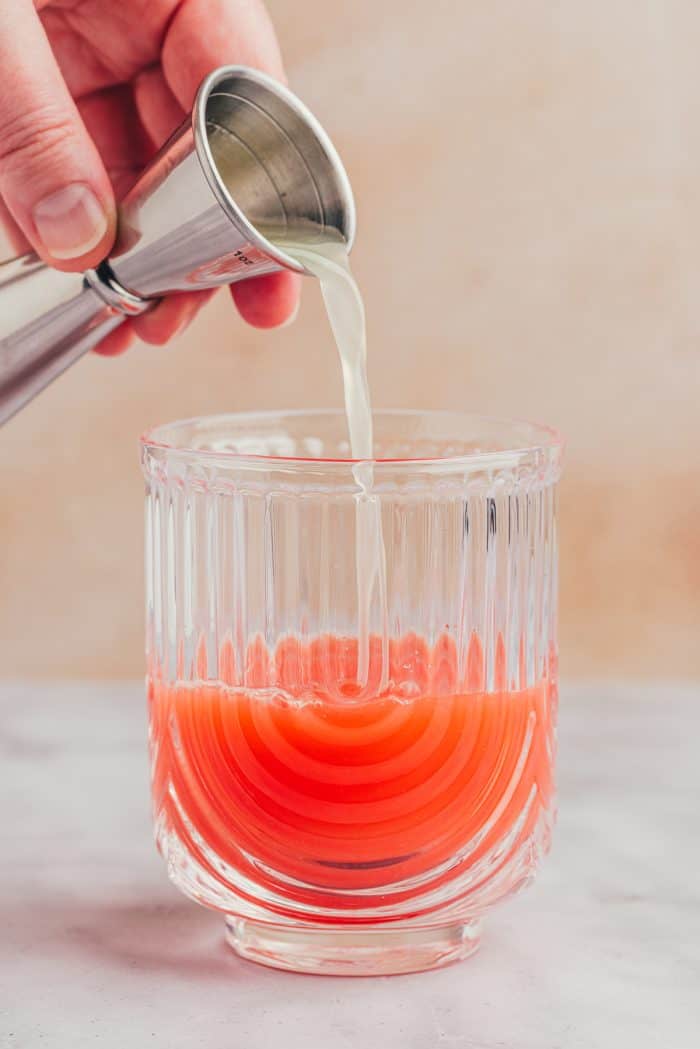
251, 161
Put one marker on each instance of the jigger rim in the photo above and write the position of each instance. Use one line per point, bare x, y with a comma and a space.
217, 184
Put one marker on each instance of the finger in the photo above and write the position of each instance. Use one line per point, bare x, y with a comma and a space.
101, 43
112, 120
205, 34
158, 326
170, 317
51, 177
159, 111
118, 341
267, 302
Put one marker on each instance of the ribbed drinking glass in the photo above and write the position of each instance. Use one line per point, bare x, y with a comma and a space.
352, 774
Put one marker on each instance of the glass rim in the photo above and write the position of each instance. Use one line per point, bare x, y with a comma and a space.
545, 447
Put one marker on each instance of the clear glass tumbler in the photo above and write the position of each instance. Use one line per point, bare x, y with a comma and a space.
351, 770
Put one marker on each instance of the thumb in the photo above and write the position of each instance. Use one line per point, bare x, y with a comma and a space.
52, 179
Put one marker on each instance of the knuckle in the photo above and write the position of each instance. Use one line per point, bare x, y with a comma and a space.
33, 136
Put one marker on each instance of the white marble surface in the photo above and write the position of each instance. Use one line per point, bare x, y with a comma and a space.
96, 948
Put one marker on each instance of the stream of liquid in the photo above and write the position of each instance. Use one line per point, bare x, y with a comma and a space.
326, 257
324, 254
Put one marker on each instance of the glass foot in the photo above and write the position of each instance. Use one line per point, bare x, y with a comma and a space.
351, 951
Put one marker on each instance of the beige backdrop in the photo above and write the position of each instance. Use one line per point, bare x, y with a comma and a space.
528, 185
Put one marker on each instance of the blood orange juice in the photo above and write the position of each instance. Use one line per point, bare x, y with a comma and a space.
316, 794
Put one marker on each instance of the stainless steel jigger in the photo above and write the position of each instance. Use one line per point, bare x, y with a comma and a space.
251, 159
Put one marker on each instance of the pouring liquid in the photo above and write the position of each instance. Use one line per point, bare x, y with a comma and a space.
324, 254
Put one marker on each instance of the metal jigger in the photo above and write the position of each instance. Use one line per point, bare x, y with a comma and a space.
252, 158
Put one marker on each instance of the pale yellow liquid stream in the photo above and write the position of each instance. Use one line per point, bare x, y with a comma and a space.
326, 257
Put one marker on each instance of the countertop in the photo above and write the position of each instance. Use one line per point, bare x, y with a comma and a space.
97, 949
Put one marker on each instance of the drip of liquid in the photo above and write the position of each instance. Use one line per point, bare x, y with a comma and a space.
324, 254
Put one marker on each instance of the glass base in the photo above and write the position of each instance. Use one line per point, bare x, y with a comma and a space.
351, 951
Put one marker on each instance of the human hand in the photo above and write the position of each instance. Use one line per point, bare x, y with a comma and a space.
91, 89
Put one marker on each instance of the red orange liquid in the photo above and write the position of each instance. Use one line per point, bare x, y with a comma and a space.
343, 793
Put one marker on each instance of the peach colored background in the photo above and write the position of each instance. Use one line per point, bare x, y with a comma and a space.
528, 184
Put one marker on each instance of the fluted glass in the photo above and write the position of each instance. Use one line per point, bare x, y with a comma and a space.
353, 791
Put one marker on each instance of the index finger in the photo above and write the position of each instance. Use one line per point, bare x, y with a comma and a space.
205, 34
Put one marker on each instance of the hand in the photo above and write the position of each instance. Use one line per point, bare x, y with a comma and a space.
91, 88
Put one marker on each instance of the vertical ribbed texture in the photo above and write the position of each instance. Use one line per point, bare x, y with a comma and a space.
232, 563
401, 775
